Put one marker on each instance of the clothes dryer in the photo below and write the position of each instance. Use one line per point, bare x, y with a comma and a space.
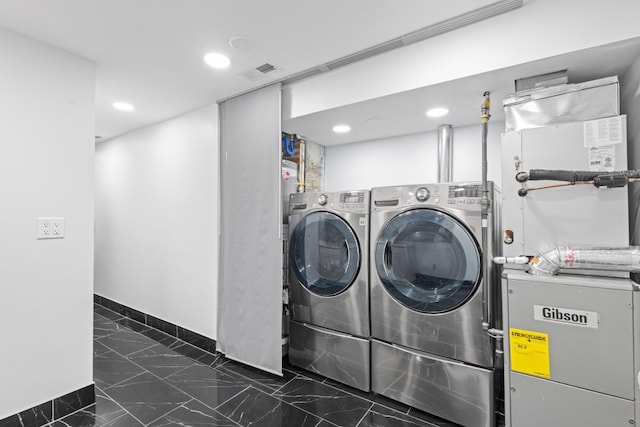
429, 348
329, 289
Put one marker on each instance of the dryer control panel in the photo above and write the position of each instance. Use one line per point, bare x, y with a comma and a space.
466, 196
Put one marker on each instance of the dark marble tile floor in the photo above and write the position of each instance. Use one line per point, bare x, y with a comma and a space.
144, 377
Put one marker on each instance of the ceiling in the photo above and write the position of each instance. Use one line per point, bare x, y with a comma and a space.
404, 113
150, 52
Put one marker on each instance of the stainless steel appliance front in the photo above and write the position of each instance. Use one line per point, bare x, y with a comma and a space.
328, 276
452, 390
328, 268
342, 357
426, 287
426, 272
585, 372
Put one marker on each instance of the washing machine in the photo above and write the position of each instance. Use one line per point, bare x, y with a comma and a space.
429, 349
329, 329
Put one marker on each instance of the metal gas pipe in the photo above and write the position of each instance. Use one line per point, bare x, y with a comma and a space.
485, 203
487, 296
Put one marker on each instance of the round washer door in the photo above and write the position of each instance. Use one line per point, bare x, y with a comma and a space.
324, 253
428, 261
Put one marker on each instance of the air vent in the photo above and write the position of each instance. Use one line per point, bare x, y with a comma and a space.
266, 68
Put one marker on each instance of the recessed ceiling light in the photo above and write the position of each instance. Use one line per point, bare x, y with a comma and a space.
241, 43
341, 128
437, 112
123, 106
216, 60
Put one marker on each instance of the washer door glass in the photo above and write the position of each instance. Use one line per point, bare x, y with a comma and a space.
428, 261
324, 253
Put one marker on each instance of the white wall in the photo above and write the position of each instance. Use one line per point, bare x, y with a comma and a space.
157, 220
46, 169
538, 30
411, 159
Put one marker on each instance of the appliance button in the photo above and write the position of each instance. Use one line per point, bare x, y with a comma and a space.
322, 199
422, 194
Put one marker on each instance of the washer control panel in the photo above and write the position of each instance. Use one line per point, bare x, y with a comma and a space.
347, 201
352, 200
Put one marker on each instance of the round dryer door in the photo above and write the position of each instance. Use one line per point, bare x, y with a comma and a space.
428, 261
324, 253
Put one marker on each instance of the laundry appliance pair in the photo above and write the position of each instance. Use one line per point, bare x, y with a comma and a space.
387, 295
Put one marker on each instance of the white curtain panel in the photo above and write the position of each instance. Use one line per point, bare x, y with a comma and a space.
250, 286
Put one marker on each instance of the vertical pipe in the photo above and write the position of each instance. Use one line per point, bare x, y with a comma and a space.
486, 278
445, 143
302, 167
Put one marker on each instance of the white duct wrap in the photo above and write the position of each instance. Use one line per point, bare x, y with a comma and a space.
586, 258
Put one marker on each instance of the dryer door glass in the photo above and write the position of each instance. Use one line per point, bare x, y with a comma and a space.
428, 261
324, 253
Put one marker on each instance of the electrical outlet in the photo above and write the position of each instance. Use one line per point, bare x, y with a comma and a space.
57, 228
44, 228
50, 228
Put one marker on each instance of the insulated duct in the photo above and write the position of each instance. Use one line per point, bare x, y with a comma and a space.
445, 150
609, 259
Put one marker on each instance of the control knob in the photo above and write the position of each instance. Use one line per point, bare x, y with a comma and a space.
422, 194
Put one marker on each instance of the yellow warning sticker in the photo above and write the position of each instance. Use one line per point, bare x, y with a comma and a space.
529, 352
